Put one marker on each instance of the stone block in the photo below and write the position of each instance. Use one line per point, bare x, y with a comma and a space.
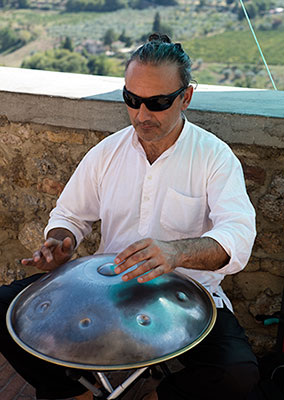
31, 235
244, 317
253, 265
277, 185
261, 344
252, 172
4, 121
8, 138
275, 267
65, 137
252, 284
272, 207
4, 235
228, 285
269, 242
266, 303
50, 186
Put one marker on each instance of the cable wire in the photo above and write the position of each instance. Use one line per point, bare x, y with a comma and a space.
258, 46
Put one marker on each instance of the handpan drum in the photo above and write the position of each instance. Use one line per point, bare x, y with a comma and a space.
85, 316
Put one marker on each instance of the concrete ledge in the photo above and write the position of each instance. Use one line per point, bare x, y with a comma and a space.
77, 101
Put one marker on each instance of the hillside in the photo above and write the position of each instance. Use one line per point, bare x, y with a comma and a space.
213, 32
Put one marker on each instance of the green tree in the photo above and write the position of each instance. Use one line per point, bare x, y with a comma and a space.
15, 3
99, 65
11, 39
125, 39
166, 2
159, 27
252, 10
148, 3
157, 23
109, 37
4, 3
67, 44
23, 4
112, 5
57, 60
84, 5
95, 5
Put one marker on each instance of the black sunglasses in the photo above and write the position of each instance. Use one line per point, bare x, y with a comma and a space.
154, 103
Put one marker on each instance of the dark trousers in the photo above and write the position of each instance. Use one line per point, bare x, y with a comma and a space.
221, 367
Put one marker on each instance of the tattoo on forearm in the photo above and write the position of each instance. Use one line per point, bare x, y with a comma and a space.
200, 253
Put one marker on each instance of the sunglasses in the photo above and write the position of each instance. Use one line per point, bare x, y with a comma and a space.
153, 103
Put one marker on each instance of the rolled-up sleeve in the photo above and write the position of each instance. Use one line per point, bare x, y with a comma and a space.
231, 211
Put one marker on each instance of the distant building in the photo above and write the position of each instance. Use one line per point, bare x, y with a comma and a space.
277, 10
93, 46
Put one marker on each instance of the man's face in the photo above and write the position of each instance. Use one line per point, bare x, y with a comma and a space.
146, 80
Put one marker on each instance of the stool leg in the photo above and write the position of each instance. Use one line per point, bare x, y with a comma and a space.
104, 381
165, 369
76, 376
121, 388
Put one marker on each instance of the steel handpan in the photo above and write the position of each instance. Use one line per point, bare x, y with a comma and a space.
83, 315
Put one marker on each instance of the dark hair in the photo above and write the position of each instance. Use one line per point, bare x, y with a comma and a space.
158, 50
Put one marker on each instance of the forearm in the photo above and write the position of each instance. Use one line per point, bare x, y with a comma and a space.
200, 253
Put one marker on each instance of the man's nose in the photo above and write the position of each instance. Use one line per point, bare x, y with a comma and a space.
143, 113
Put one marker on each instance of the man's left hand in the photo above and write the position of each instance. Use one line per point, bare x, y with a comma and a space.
156, 258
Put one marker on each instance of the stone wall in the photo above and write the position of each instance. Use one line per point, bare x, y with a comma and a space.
37, 159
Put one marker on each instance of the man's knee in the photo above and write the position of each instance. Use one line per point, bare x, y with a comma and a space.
232, 382
239, 380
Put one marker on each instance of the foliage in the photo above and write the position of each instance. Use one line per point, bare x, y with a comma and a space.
238, 75
84, 5
150, 3
100, 65
11, 39
238, 47
15, 3
159, 27
109, 37
254, 8
67, 44
125, 39
113, 5
215, 33
65, 60
57, 60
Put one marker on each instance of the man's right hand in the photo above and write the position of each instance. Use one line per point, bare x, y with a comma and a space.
52, 254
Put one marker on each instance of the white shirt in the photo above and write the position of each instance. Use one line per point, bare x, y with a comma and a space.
194, 189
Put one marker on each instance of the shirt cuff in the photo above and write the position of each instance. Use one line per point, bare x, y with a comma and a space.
237, 261
65, 225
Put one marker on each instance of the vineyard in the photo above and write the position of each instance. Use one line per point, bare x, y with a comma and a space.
216, 36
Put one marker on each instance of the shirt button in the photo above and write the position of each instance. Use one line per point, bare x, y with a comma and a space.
149, 177
146, 198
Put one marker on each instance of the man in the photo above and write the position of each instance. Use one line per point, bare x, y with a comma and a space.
170, 196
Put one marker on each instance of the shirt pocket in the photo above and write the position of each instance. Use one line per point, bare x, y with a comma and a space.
183, 214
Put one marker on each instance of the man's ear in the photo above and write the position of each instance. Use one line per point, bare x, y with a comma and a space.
187, 97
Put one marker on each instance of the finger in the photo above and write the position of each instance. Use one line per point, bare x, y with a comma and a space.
140, 270
67, 245
139, 257
46, 254
158, 271
132, 249
28, 261
51, 242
